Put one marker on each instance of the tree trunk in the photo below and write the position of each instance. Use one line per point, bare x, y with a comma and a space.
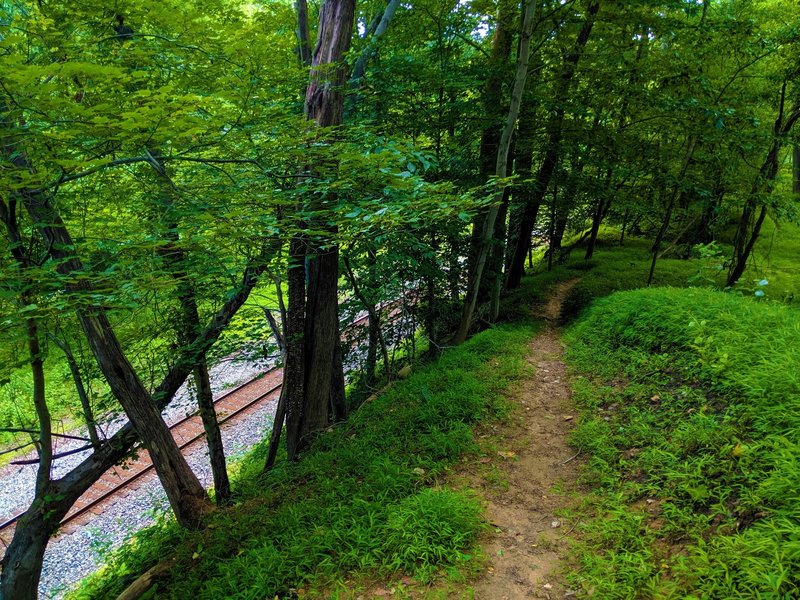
21, 565
501, 165
188, 325
522, 193
675, 196
493, 102
552, 150
601, 208
369, 51
749, 225
83, 396
294, 364
187, 497
308, 413
216, 449
303, 37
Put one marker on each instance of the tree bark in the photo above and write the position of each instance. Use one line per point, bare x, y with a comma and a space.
303, 37
493, 102
75, 371
369, 51
674, 197
749, 225
309, 407
22, 563
552, 150
188, 325
501, 165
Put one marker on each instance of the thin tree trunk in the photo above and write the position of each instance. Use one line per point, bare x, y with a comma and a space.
303, 37
493, 102
501, 165
216, 449
624, 224
83, 396
552, 150
369, 51
522, 193
188, 327
601, 208
374, 323
749, 225
675, 196
796, 169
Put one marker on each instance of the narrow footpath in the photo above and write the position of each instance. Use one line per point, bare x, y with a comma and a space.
541, 470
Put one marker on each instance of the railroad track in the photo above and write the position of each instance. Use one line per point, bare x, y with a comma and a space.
101, 490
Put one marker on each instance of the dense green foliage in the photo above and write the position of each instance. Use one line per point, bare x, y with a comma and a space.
173, 172
360, 504
690, 428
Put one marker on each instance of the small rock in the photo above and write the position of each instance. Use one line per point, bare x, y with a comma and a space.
555, 524
568, 417
418, 471
547, 586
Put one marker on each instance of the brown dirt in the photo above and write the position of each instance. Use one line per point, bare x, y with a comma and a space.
541, 470
528, 477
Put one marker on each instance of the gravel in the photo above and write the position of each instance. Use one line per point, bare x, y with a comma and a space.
71, 557
74, 556
17, 482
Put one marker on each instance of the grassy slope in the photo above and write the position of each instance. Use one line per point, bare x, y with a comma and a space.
365, 502
690, 424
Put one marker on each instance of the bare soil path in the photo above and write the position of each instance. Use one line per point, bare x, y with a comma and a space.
541, 470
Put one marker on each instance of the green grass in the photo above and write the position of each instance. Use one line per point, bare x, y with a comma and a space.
777, 259
691, 428
364, 502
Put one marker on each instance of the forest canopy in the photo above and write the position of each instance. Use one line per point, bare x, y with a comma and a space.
184, 181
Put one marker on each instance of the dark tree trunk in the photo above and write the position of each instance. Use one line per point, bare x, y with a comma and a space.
674, 197
749, 225
216, 450
188, 324
522, 193
501, 166
294, 364
796, 169
21, 565
321, 333
493, 101
83, 396
187, 497
552, 150
600, 209
309, 408
303, 37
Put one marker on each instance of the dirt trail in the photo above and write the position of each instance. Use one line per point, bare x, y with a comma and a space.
529, 536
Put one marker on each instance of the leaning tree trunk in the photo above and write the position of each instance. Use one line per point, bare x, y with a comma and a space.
186, 495
471, 299
21, 565
552, 150
749, 225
